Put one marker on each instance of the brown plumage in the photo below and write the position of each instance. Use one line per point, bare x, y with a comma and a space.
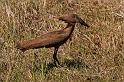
53, 39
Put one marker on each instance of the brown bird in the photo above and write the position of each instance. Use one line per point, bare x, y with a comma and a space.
53, 39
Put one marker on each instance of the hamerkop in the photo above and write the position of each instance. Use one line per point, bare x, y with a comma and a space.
53, 39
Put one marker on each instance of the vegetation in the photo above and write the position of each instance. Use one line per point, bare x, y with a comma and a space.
94, 54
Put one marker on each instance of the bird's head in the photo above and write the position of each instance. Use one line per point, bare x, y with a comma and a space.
72, 18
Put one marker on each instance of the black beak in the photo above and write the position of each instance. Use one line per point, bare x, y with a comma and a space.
85, 24
82, 22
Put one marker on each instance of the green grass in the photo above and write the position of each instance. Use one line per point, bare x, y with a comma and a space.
93, 54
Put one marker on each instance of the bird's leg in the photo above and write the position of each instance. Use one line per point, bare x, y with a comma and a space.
54, 56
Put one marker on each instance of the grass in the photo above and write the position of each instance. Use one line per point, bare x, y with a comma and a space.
95, 54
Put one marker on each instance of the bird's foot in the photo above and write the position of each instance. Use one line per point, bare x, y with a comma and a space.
56, 64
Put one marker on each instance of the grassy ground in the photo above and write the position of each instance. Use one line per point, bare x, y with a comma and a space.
95, 54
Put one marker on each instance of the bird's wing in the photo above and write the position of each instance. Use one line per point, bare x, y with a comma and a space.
51, 38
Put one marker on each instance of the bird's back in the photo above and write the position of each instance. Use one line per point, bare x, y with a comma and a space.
47, 40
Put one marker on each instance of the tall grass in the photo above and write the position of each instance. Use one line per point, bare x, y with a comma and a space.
95, 54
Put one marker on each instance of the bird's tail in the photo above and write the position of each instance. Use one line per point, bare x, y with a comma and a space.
18, 46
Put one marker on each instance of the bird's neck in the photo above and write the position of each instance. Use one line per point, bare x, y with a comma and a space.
69, 28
